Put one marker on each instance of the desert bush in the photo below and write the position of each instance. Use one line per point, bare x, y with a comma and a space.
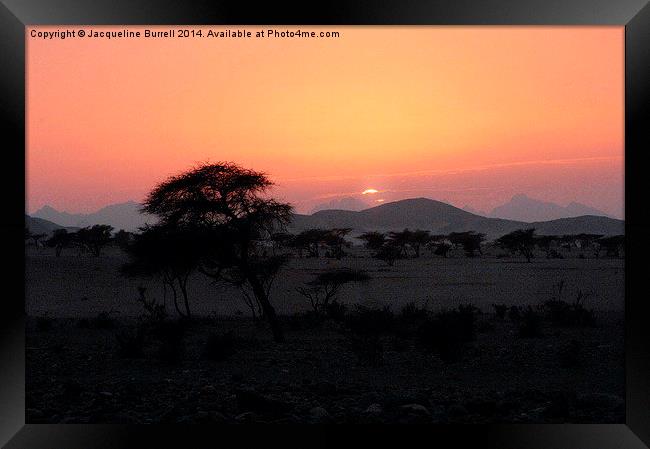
219, 347
152, 311
335, 311
102, 320
411, 313
514, 314
571, 355
371, 320
131, 343
305, 320
368, 348
500, 310
531, 323
447, 333
563, 313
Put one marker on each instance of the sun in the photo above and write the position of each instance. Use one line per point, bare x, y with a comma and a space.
369, 191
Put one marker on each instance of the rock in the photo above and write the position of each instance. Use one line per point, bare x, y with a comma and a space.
415, 409
482, 407
247, 417
319, 415
208, 389
251, 400
217, 417
326, 388
457, 411
373, 410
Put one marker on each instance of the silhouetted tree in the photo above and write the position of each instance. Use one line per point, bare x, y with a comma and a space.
94, 238
225, 203
122, 238
389, 253
612, 244
334, 239
167, 251
545, 243
36, 237
417, 239
59, 240
324, 288
469, 240
310, 240
373, 240
401, 240
521, 240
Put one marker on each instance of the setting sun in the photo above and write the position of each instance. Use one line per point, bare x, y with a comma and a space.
369, 191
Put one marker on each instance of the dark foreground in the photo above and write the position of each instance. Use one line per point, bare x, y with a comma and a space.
228, 370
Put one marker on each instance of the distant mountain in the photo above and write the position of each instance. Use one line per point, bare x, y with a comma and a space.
346, 203
523, 208
40, 226
471, 210
125, 216
442, 218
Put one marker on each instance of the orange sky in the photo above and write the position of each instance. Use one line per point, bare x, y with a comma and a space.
470, 115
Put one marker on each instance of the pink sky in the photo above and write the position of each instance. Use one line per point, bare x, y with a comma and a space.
469, 115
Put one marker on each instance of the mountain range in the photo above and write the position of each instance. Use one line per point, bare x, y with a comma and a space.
125, 216
523, 208
442, 218
415, 213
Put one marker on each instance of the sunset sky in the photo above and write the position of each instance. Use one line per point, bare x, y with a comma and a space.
467, 115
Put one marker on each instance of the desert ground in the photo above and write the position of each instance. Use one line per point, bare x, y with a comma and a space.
86, 361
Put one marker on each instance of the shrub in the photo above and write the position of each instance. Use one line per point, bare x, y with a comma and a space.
500, 310
514, 313
570, 355
368, 348
371, 321
219, 346
335, 311
447, 333
565, 314
103, 320
171, 351
305, 320
131, 343
531, 324
411, 313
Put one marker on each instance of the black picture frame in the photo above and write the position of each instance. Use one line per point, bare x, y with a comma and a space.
15, 15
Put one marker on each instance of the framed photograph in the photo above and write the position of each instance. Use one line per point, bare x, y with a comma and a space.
426, 217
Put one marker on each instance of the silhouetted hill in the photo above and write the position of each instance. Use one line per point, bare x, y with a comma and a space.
125, 216
588, 224
442, 218
523, 208
346, 203
41, 226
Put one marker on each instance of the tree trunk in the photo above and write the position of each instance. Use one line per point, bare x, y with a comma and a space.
267, 308
183, 285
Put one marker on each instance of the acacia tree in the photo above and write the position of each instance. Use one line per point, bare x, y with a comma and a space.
373, 240
169, 252
59, 240
225, 204
401, 240
322, 290
521, 240
419, 238
94, 238
334, 239
469, 240
389, 253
